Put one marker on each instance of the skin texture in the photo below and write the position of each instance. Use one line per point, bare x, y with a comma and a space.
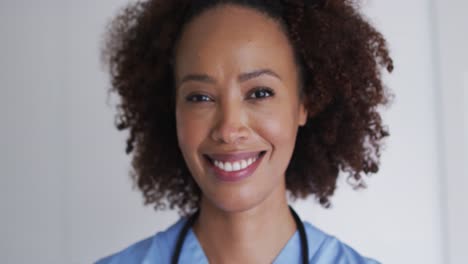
221, 114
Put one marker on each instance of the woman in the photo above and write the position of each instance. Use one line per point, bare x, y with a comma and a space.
233, 105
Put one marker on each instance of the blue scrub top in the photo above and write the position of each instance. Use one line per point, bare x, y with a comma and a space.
323, 249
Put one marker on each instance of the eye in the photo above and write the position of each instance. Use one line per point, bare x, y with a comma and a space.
195, 98
261, 92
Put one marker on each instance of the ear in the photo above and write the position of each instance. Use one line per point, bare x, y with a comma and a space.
302, 114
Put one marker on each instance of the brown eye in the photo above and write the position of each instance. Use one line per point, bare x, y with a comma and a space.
261, 92
196, 98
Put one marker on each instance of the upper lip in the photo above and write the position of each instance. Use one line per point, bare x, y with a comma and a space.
233, 156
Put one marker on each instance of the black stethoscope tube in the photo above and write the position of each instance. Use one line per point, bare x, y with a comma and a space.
191, 220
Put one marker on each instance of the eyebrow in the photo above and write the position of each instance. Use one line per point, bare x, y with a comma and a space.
241, 78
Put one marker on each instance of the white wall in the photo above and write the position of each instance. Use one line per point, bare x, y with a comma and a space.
65, 193
451, 35
32, 139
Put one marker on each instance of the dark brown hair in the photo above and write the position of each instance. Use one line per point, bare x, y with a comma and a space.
340, 55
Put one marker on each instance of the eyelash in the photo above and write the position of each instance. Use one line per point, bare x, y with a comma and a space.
199, 98
263, 90
195, 98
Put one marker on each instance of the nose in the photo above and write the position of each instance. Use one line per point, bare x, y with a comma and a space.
231, 120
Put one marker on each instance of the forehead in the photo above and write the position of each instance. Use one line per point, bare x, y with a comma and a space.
234, 37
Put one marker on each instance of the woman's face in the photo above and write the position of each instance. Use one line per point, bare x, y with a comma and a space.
237, 106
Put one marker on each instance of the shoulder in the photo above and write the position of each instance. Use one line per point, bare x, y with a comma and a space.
154, 247
325, 248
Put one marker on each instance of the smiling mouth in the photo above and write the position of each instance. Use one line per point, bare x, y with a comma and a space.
233, 167
234, 162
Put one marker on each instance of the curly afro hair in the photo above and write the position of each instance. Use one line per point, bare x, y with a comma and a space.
340, 57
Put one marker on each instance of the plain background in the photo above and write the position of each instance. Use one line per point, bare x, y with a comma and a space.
65, 193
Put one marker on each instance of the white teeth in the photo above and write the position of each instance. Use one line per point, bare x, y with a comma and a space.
234, 166
219, 164
243, 164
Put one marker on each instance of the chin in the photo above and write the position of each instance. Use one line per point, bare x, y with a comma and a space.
234, 202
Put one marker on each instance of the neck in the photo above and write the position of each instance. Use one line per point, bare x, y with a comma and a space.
255, 235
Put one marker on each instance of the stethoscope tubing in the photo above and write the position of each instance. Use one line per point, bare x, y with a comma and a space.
191, 220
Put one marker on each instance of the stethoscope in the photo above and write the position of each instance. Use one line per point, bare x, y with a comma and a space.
191, 220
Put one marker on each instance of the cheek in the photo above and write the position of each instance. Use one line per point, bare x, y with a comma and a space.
191, 131
278, 128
